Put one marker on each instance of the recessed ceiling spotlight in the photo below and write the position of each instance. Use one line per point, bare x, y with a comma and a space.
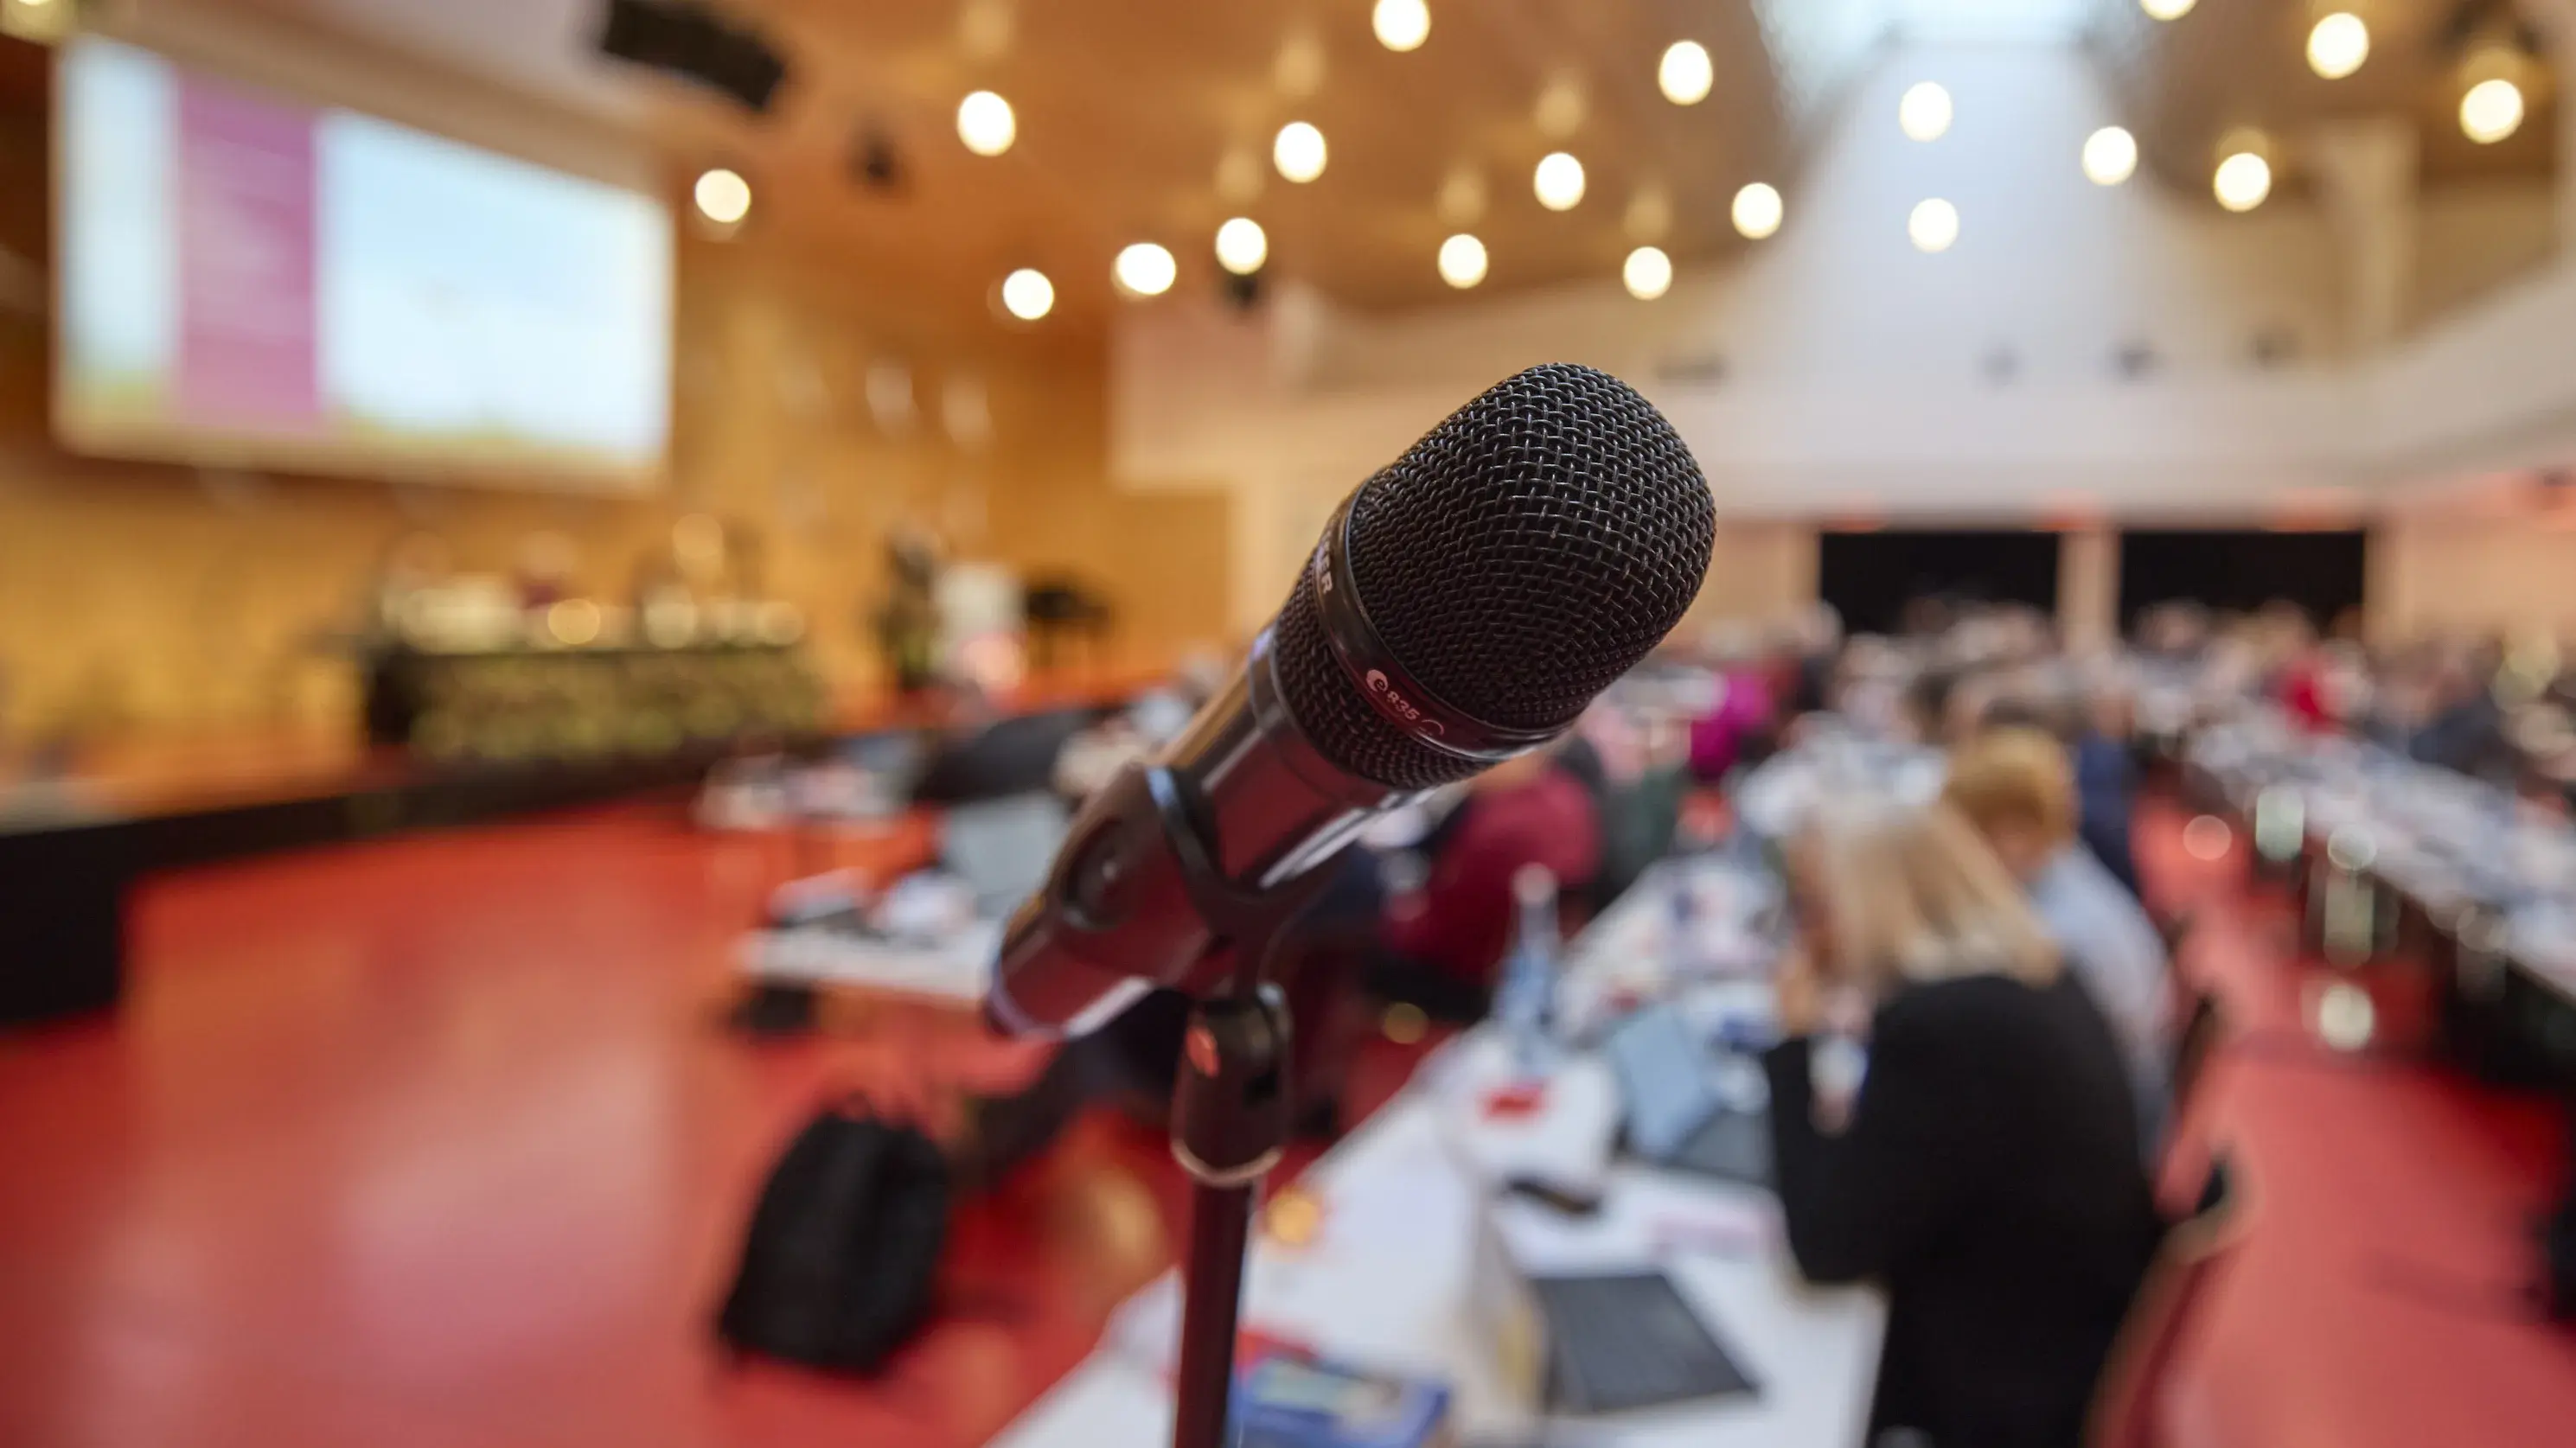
1649, 215
1298, 70
1924, 113
985, 123
2338, 44
1562, 106
1027, 294
1242, 246
1298, 152
1558, 181
1648, 273
1757, 210
1401, 25
2110, 156
722, 196
2491, 111
1685, 74
1933, 225
1145, 270
2241, 181
1462, 260
1461, 201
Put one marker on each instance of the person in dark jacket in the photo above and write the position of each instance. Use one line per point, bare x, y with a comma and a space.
1988, 1171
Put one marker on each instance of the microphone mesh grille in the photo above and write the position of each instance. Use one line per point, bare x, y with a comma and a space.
1337, 720
1524, 554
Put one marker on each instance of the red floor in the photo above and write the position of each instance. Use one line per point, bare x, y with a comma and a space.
2381, 1298
436, 1142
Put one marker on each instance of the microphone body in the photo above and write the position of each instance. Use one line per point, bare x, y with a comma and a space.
1119, 912
1463, 606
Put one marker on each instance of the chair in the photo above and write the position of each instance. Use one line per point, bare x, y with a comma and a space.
2174, 927
2128, 1404
2203, 1027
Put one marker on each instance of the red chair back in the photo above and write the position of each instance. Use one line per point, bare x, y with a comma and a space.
2203, 1028
2128, 1406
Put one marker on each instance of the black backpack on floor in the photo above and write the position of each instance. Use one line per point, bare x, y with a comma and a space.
838, 1265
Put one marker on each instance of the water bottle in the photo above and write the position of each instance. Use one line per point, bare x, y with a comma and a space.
1527, 991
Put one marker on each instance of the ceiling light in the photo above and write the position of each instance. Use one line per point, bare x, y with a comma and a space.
1925, 112
1685, 73
1757, 211
984, 28
2110, 156
2338, 44
724, 198
1027, 294
2167, 9
1558, 181
1299, 70
1562, 106
2242, 181
1648, 273
1242, 246
2491, 111
1461, 201
1401, 25
1298, 152
1462, 261
1650, 215
1238, 175
985, 124
1145, 270
1933, 225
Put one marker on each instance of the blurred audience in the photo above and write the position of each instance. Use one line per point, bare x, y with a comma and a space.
1740, 722
2018, 789
2106, 781
1989, 1173
1444, 936
2462, 726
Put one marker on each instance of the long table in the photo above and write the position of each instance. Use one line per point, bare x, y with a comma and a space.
1391, 1278
2391, 858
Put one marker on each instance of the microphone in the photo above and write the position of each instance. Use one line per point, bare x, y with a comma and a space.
1463, 606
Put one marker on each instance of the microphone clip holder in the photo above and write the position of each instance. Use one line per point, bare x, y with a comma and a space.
1230, 1106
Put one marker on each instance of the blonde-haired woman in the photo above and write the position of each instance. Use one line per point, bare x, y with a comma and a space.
1988, 1173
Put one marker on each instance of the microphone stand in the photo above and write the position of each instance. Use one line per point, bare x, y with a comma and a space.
1230, 1108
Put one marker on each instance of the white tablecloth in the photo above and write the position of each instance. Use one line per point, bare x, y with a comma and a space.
1385, 1282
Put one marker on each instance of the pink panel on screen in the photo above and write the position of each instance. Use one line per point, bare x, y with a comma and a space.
247, 337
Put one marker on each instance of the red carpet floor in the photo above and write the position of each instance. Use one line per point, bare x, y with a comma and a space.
436, 1142
2381, 1298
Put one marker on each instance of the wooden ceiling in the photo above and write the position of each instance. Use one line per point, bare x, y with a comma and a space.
2226, 64
1127, 110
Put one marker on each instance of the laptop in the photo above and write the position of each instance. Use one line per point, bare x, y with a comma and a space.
1677, 1115
1627, 1340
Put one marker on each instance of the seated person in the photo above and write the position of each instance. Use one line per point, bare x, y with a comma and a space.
1988, 1173
1738, 727
2464, 728
2015, 786
2105, 785
1443, 940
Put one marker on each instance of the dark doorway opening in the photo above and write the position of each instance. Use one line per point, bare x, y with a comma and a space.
1870, 577
2242, 569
